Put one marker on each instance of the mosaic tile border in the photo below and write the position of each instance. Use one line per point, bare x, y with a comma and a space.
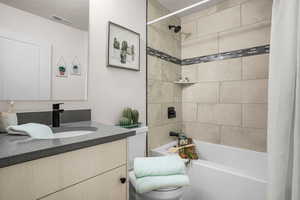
228, 55
163, 56
264, 49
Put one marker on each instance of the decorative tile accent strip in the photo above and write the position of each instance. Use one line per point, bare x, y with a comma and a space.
209, 58
163, 56
228, 55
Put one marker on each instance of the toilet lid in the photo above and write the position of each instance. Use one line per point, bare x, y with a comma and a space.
167, 189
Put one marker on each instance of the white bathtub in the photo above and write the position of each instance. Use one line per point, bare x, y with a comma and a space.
224, 173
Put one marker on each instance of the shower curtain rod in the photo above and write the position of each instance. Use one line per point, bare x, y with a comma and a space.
178, 11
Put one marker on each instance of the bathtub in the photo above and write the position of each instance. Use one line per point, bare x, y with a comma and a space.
224, 173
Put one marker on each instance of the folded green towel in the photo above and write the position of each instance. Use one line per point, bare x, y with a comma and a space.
149, 183
158, 166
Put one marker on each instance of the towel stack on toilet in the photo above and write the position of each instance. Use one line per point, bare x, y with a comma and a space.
154, 173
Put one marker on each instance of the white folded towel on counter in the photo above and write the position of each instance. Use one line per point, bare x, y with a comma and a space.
34, 130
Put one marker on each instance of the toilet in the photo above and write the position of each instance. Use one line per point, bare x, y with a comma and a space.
137, 148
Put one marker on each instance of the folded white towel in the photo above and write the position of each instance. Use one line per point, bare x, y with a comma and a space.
7, 119
149, 183
38, 131
158, 166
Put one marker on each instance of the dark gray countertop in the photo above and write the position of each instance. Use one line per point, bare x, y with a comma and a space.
18, 149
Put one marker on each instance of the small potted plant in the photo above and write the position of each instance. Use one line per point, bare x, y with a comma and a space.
75, 69
62, 70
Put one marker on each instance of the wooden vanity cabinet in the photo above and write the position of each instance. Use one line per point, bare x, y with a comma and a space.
91, 173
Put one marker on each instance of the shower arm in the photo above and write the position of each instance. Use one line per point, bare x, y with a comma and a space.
178, 11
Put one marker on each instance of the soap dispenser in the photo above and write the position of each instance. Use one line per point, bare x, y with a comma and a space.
8, 118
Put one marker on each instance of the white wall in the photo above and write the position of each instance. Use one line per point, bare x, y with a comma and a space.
112, 89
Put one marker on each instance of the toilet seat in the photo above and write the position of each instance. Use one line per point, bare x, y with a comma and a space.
167, 189
171, 193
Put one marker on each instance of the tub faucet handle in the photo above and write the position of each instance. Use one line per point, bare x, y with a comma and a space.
123, 180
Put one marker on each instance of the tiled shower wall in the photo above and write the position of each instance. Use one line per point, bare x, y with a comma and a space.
162, 92
228, 103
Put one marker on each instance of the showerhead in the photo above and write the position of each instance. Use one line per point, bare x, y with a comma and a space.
176, 28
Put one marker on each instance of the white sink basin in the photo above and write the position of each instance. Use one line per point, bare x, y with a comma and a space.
67, 134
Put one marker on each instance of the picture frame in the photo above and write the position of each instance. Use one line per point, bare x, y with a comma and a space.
61, 68
123, 47
76, 67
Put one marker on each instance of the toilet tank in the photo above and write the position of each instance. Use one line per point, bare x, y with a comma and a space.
137, 145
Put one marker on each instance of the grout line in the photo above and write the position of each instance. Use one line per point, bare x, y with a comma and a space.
241, 18
221, 125
220, 86
242, 116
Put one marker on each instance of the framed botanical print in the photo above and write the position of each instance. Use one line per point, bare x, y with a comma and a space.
123, 47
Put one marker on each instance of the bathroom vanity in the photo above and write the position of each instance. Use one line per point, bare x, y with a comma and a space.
93, 166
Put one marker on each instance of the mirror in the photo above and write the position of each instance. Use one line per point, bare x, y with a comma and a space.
43, 49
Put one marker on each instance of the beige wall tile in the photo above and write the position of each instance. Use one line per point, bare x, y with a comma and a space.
177, 93
256, 10
178, 109
220, 21
256, 67
189, 112
245, 37
165, 41
154, 68
154, 114
190, 71
231, 92
255, 115
204, 132
251, 91
197, 15
228, 4
201, 93
199, 47
162, 92
228, 114
206, 113
159, 135
170, 71
167, 92
254, 139
169, 44
153, 38
154, 91
230, 69
190, 28
154, 10
222, 114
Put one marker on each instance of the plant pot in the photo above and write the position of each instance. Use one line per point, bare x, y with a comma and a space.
75, 70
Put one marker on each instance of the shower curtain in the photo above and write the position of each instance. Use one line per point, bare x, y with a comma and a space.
284, 102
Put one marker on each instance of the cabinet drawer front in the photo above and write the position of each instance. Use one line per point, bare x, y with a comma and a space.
79, 165
102, 187
41, 177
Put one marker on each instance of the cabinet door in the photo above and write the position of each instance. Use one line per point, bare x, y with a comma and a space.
106, 186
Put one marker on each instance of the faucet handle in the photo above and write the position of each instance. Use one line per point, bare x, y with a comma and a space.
56, 106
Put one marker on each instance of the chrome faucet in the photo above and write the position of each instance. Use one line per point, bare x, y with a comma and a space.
56, 114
